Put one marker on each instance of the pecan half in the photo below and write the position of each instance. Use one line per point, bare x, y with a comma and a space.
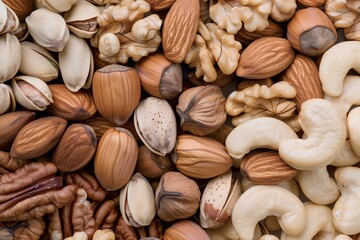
125, 232
31, 229
9, 164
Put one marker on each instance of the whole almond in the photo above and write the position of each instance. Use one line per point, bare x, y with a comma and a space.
265, 57
157, 5
179, 29
273, 30
10, 125
72, 106
303, 74
38, 137
266, 167
76, 148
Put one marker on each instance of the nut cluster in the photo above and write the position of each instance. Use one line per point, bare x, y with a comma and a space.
179, 119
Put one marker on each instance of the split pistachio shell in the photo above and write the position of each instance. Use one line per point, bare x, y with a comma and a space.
36, 61
218, 200
137, 202
58, 5
48, 29
7, 99
9, 21
155, 124
82, 19
32, 93
10, 56
76, 64
22, 31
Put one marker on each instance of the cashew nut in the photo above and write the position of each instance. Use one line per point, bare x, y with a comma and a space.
353, 125
261, 201
336, 63
227, 232
263, 132
269, 237
318, 186
350, 96
346, 211
343, 237
318, 222
326, 134
346, 156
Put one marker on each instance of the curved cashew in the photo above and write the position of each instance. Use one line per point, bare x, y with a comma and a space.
350, 96
318, 222
353, 125
346, 156
335, 64
263, 132
318, 186
269, 237
346, 211
261, 201
227, 232
343, 237
326, 136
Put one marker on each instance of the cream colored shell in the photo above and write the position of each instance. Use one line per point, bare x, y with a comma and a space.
155, 124
10, 56
7, 99
8, 19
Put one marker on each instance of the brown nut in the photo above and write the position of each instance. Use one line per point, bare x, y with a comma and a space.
10, 125
115, 158
76, 148
303, 74
311, 32
184, 230
200, 157
31, 229
38, 137
179, 29
106, 215
157, 5
22, 8
266, 167
32, 191
313, 3
72, 106
202, 109
152, 232
116, 91
9, 164
152, 165
176, 197
265, 57
159, 77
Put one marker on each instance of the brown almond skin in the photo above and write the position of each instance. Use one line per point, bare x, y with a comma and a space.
266, 167
246, 38
179, 29
158, 5
313, 3
265, 58
115, 158
185, 230
303, 74
10, 125
72, 106
76, 148
38, 137
116, 91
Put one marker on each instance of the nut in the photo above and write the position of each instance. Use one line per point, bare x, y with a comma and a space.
22, 8
11, 51
158, 5
116, 91
313, 3
115, 158
303, 75
7, 98
38, 137
179, 30
201, 109
76, 148
265, 57
72, 106
185, 229
10, 125
311, 32
159, 77
176, 196
155, 124
266, 167
200, 157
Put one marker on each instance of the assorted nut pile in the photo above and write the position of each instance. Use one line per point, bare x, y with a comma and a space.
179, 119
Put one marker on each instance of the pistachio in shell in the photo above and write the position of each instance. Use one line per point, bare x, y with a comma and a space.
155, 124
10, 56
202, 109
7, 99
9, 21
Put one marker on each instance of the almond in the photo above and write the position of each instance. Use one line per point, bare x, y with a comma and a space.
179, 29
313, 3
266, 167
38, 137
72, 106
273, 30
265, 57
303, 74
157, 5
